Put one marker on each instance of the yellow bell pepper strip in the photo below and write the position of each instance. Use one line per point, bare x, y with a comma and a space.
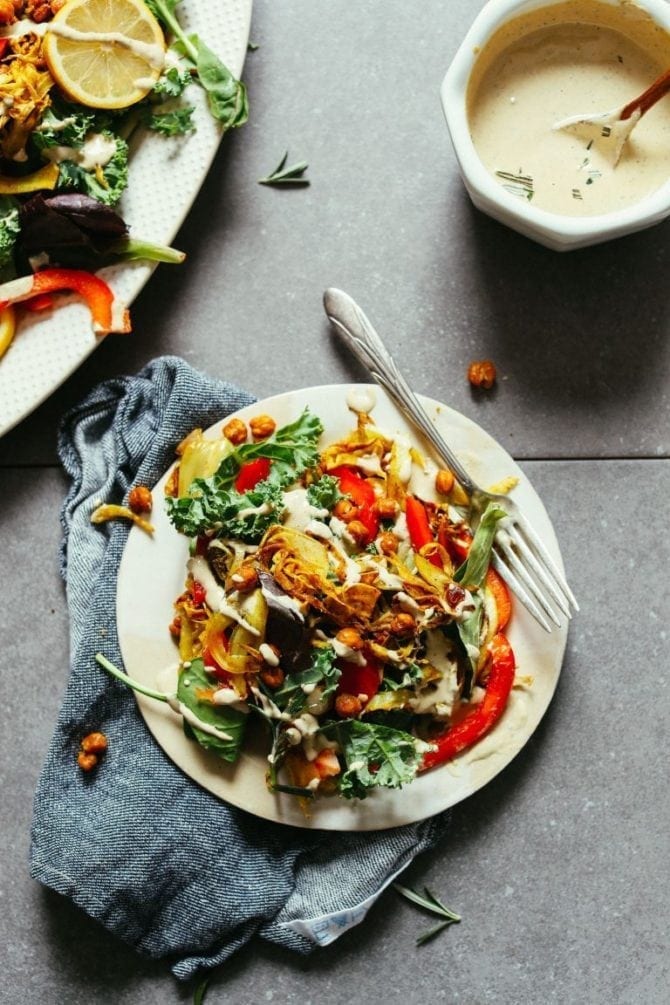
7, 329
108, 313
110, 511
484, 716
44, 178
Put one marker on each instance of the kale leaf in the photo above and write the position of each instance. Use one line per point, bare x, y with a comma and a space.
175, 122
375, 756
324, 493
9, 231
322, 672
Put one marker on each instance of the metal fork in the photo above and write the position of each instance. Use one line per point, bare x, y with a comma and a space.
518, 553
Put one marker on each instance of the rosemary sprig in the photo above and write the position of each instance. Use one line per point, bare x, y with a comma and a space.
282, 175
429, 902
518, 184
200, 991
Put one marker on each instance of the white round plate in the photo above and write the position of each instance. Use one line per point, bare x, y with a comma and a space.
154, 569
165, 175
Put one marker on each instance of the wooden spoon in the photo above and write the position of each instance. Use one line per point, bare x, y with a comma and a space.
610, 130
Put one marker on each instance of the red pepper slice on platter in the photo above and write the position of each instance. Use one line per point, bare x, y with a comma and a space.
251, 473
108, 314
484, 716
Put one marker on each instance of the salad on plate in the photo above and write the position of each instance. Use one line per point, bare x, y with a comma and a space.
78, 80
338, 594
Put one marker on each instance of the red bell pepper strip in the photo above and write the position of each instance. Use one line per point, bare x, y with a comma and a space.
198, 593
503, 602
484, 716
359, 680
251, 473
418, 527
362, 494
108, 313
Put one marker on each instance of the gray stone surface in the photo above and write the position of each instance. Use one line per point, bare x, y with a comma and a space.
559, 867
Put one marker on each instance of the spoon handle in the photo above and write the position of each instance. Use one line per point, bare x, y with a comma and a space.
356, 332
654, 93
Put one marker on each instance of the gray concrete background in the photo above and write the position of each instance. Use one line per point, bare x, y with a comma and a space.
559, 867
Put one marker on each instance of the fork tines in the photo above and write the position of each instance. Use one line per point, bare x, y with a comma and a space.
524, 562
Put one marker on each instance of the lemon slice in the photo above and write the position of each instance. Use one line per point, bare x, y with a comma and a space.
105, 53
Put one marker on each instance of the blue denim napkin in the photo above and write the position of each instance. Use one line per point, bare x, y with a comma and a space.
161, 863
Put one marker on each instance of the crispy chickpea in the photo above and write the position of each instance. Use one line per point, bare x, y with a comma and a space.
139, 499
402, 624
344, 510
235, 431
350, 637
358, 531
94, 743
482, 373
348, 705
444, 481
174, 627
272, 677
262, 426
172, 484
386, 508
244, 578
388, 543
86, 761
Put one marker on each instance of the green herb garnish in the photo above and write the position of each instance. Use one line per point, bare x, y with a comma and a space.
282, 175
429, 902
518, 184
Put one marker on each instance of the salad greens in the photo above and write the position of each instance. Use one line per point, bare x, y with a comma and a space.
343, 629
226, 96
247, 515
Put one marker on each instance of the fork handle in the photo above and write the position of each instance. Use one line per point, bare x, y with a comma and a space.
362, 340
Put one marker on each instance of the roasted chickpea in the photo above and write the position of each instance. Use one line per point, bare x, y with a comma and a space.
402, 624
386, 508
139, 499
350, 637
174, 627
235, 431
94, 743
244, 578
388, 543
348, 705
344, 510
482, 373
262, 426
444, 481
86, 761
358, 531
272, 677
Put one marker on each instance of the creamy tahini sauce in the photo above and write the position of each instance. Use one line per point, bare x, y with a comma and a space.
578, 57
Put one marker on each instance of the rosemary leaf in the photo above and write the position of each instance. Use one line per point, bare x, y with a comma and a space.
432, 932
291, 175
443, 909
200, 991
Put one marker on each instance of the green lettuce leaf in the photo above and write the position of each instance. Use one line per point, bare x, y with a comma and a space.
224, 717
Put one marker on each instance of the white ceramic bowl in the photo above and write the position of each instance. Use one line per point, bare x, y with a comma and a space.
561, 233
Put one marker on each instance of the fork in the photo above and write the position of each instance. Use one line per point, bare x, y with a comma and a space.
518, 553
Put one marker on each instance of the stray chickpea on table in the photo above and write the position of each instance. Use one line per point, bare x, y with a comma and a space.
482, 373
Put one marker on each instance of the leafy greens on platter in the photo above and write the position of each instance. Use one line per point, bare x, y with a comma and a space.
360, 623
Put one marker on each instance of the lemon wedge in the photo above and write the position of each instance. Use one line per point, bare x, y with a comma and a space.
105, 53
7, 328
